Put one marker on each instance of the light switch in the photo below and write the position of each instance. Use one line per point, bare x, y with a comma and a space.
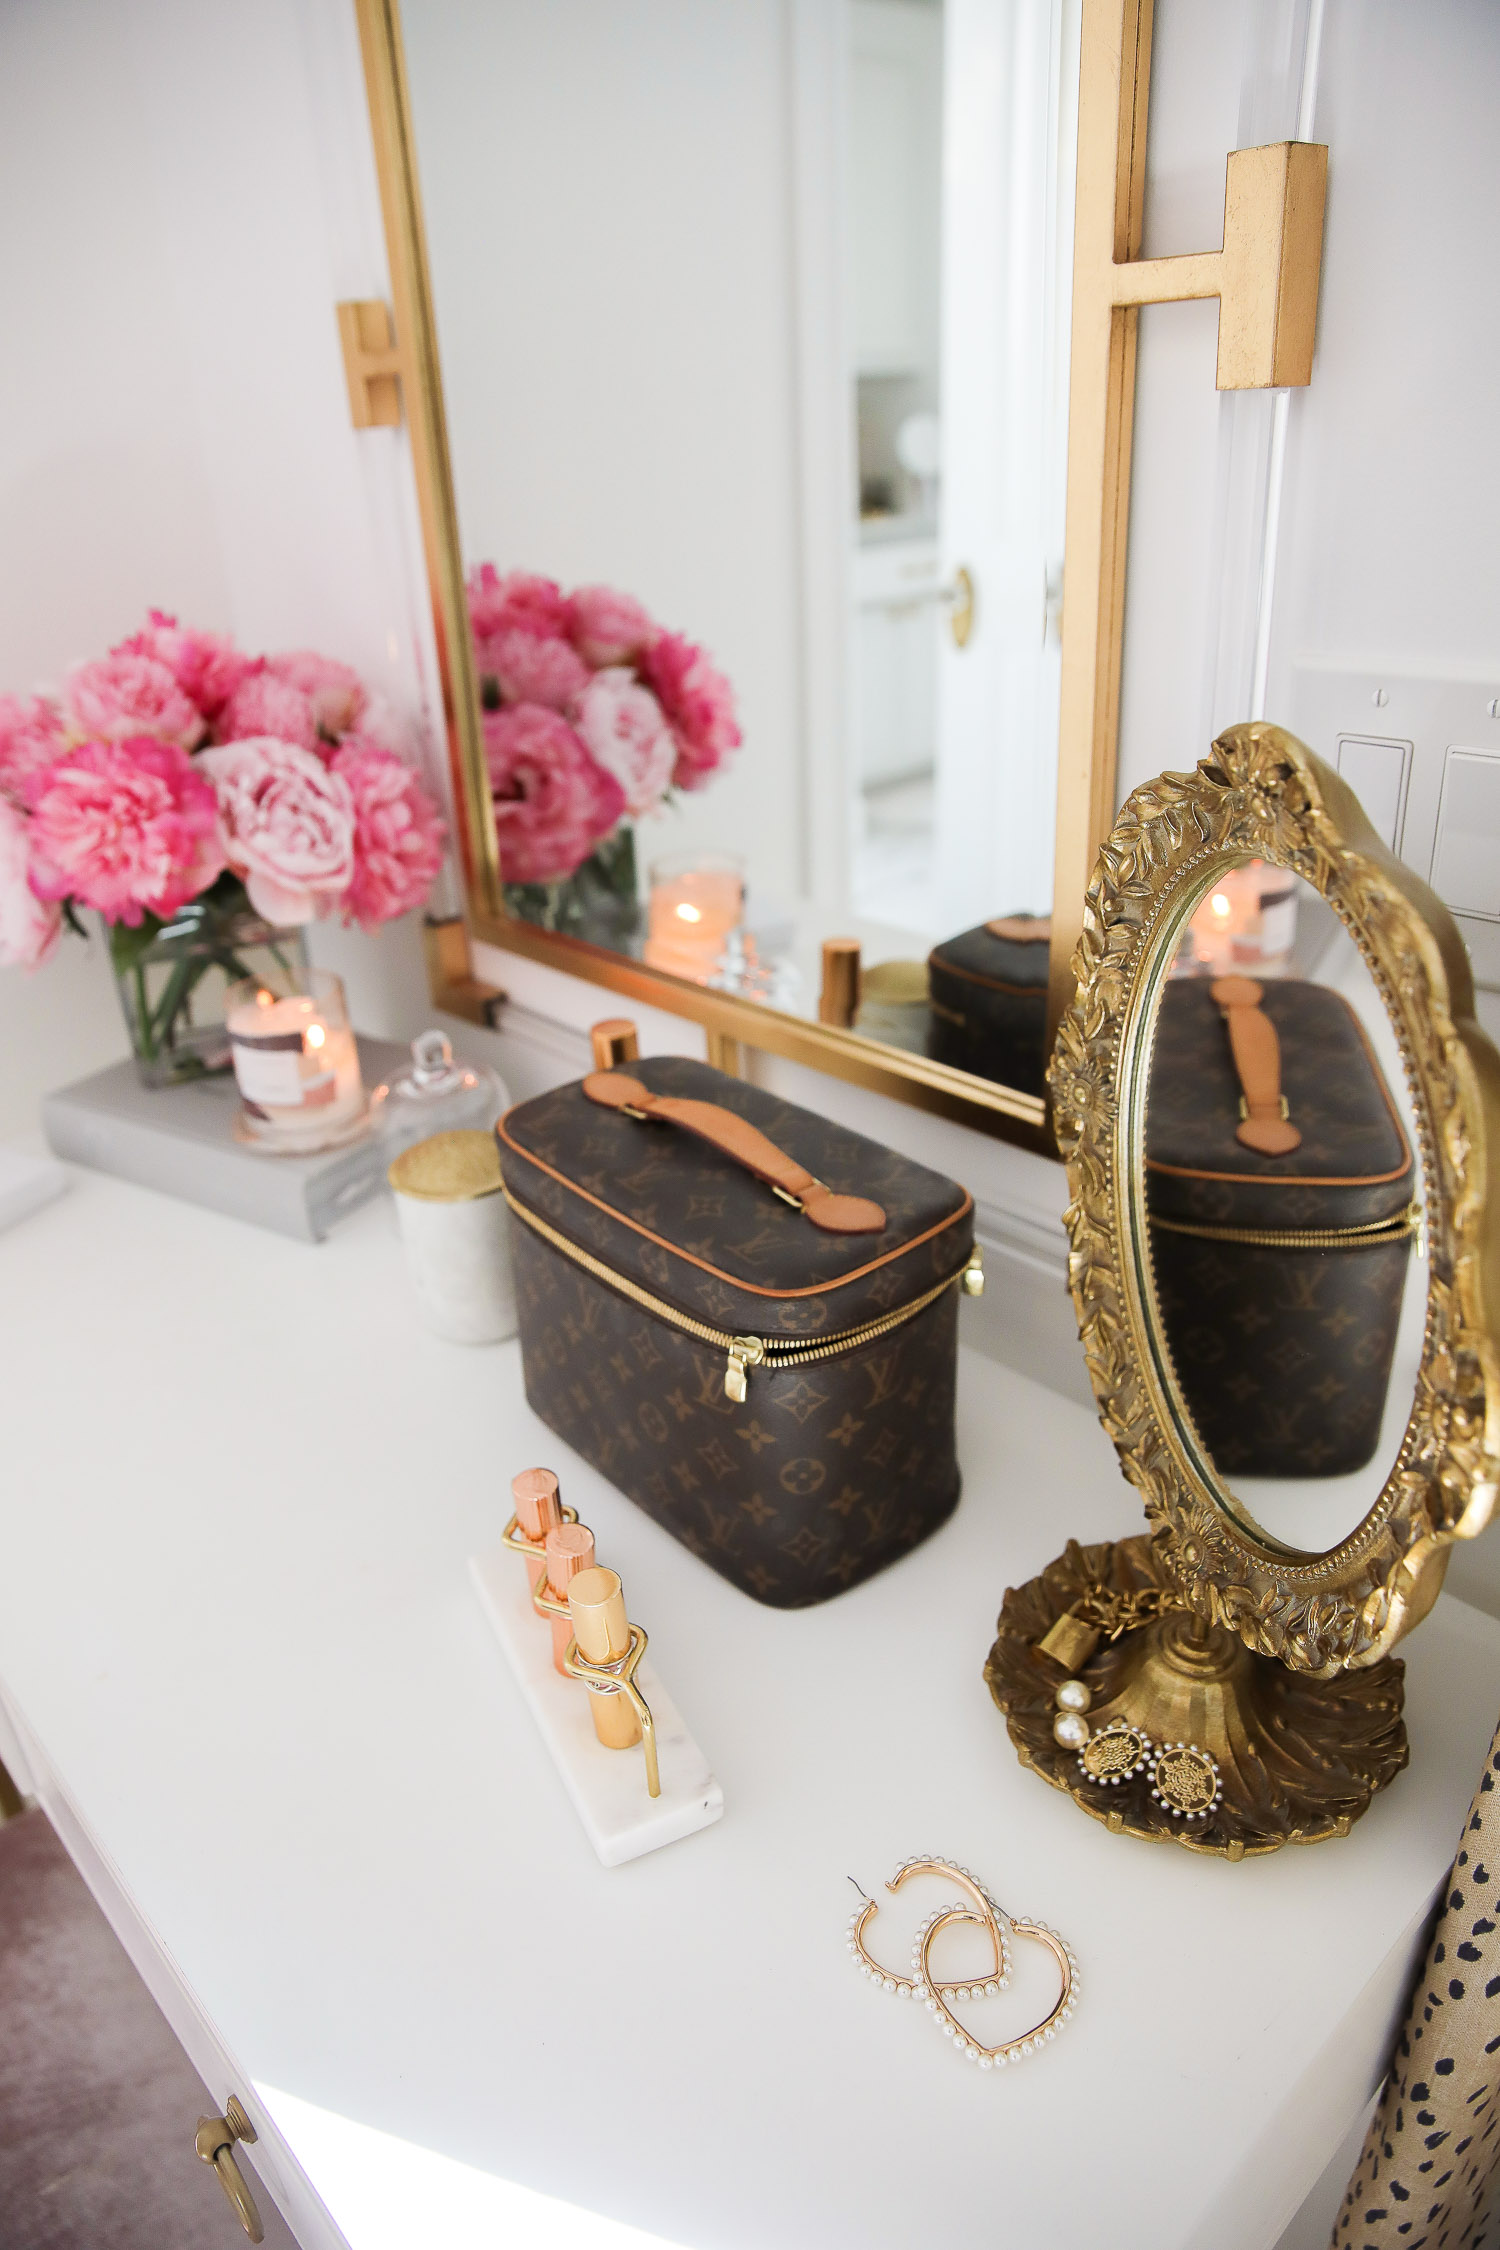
1466, 856
1376, 770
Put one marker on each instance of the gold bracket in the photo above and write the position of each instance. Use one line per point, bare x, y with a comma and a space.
450, 983
1266, 280
373, 365
515, 1538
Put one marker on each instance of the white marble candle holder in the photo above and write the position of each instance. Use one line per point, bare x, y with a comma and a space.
608, 1787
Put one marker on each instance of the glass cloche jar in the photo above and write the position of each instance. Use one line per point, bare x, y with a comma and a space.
436, 1092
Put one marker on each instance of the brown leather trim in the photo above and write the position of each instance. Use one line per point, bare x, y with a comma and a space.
751, 1288
990, 984
1308, 1179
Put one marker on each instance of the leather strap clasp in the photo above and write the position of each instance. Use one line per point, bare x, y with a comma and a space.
1264, 1124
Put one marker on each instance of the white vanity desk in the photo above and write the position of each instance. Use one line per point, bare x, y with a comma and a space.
244, 1669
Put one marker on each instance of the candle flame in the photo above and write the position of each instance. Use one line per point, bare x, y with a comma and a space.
1220, 905
316, 1035
263, 998
689, 913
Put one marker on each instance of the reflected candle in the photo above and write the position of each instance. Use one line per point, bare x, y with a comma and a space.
295, 1062
695, 904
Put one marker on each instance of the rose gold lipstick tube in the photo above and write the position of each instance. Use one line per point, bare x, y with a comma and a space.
538, 1506
602, 1631
570, 1548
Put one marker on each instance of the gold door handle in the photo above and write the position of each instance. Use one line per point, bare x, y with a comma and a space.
960, 599
215, 2144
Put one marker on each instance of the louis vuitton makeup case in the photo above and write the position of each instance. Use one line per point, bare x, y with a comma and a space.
1279, 1191
743, 1315
987, 989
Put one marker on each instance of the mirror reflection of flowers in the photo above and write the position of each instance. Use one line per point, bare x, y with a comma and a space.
178, 782
593, 716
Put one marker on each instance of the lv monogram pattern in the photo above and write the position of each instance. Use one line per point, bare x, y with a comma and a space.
744, 1246
821, 1477
1283, 1356
990, 1007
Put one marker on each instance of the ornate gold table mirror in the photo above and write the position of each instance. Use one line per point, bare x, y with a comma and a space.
1276, 1110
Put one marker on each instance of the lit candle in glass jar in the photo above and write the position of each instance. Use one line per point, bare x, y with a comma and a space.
696, 902
296, 1064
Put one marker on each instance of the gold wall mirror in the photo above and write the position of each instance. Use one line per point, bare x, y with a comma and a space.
776, 319
1277, 1112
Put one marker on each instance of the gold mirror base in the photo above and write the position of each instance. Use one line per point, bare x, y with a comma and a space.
1300, 1759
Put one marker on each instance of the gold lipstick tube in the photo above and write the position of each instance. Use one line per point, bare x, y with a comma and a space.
538, 1505
602, 1631
570, 1549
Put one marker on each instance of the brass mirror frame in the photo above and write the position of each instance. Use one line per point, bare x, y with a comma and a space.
1262, 794
1266, 279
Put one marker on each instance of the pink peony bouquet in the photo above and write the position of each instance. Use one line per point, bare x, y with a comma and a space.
176, 769
592, 715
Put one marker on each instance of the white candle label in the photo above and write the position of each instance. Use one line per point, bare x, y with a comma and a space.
269, 1071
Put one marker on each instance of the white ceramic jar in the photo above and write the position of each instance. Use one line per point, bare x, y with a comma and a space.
454, 1225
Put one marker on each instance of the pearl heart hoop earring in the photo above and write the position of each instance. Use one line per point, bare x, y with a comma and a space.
983, 1911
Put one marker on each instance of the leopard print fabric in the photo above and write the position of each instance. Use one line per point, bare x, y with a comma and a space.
1425, 2178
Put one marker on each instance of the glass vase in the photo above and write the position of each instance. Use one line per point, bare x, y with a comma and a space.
600, 900
172, 977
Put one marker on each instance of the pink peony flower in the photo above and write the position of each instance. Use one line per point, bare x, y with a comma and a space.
288, 826
530, 669
31, 739
125, 827
553, 804
129, 694
622, 725
263, 704
398, 833
699, 706
608, 628
333, 689
518, 602
28, 924
206, 666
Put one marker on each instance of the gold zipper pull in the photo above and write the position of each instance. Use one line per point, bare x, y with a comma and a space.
974, 1273
745, 1352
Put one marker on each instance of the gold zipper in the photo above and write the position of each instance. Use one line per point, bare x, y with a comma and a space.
744, 1352
1303, 1238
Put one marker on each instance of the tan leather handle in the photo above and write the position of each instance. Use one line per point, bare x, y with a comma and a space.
1257, 1059
732, 1136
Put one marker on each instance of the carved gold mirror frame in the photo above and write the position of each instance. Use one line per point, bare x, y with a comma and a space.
1262, 795
1266, 278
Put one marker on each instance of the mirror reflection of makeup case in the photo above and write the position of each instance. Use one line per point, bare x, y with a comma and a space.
1279, 1277
779, 1397
988, 994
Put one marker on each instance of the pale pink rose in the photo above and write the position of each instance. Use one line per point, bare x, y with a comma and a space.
398, 833
28, 924
31, 739
130, 693
288, 826
553, 804
262, 704
622, 724
128, 828
608, 628
518, 602
334, 690
699, 706
529, 668
206, 666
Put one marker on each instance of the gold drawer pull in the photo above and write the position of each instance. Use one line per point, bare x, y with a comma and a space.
215, 2144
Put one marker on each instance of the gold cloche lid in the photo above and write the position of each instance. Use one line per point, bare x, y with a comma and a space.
448, 1168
